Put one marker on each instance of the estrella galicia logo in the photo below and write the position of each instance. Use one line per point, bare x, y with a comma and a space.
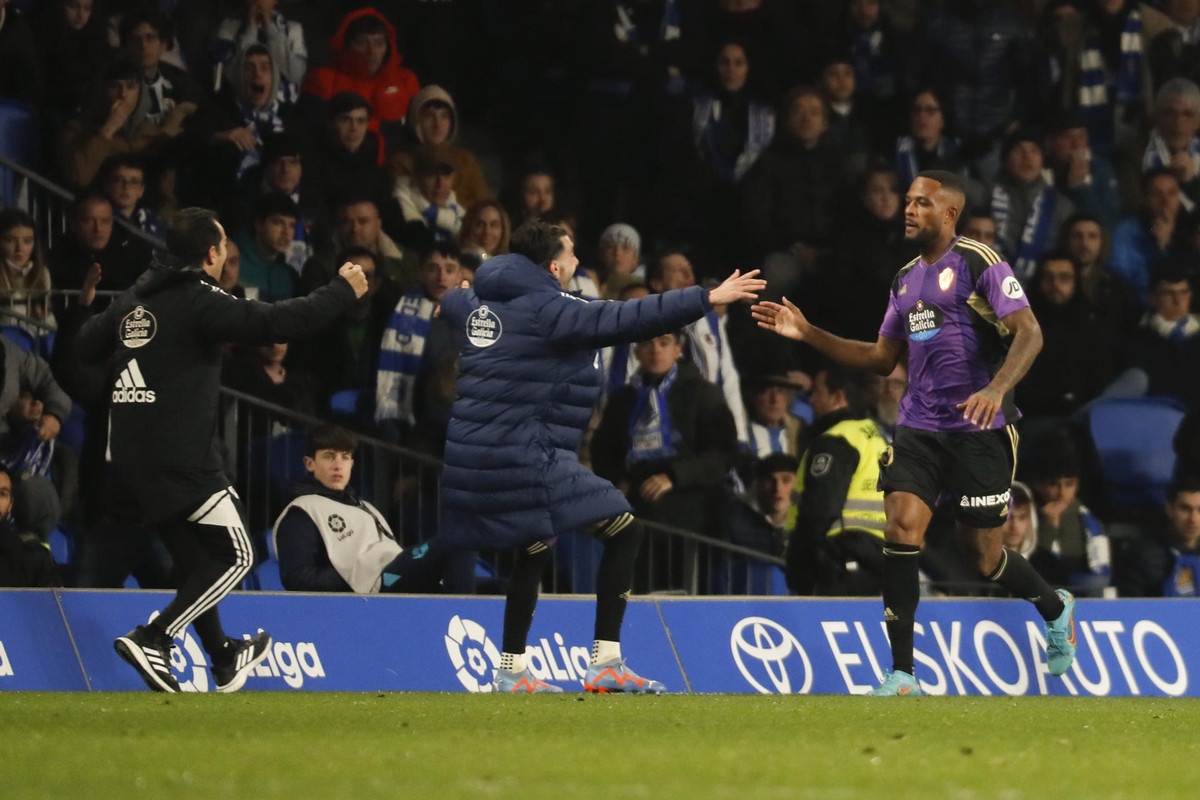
472, 653
137, 328
924, 322
484, 327
769, 657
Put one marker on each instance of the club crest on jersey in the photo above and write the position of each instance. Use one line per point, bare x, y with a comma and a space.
924, 321
484, 327
137, 328
945, 278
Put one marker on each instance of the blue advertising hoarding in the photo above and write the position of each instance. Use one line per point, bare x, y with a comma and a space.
975, 647
62, 640
35, 647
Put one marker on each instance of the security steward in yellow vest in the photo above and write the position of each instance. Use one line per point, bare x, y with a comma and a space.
837, 519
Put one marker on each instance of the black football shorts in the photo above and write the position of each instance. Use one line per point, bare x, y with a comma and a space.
974, 470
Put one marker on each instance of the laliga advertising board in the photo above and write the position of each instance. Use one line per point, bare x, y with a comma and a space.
62, 640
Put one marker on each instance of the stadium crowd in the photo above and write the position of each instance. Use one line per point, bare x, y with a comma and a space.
677, 140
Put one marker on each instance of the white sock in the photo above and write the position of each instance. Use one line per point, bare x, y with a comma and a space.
603, 652
513, 662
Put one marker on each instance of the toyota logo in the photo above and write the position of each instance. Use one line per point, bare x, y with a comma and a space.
764, 651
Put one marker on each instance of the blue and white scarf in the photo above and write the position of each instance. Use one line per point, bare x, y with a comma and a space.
765, 440
650, 434
873, 75
668, 28
1096, 104
1035, 237
1159, 155
707, 124
259, 120
905, 161
400, 357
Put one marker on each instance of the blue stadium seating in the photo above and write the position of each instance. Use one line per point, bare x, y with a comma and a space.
345, 402
1133, 439
18, 142
20, 337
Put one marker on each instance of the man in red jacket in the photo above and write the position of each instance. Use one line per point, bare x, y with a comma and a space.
364, 59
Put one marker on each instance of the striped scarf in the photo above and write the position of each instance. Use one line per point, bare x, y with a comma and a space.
1159, 155
265, 120
650, 435
625, 30
1035, 236
873, 74
764, 440
1097, 104
400, 357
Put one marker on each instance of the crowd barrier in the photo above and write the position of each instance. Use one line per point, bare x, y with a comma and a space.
61, 640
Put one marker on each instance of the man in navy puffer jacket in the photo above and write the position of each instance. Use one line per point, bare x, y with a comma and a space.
530, 375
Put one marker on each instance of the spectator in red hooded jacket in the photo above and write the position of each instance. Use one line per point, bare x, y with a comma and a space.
364, 59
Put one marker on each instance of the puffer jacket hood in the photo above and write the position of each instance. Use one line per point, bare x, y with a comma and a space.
347, 60
426, 95
509, 276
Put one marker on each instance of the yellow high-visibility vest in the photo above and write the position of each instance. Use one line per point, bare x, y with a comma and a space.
863, 509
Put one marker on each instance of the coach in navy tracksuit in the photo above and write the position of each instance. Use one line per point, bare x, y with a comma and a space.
163, 338
530, 375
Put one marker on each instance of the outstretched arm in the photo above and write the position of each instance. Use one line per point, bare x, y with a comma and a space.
787, 320
737, 287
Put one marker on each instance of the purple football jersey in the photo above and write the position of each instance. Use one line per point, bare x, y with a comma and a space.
949, 312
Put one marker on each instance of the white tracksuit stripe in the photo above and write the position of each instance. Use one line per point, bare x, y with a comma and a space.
216, 513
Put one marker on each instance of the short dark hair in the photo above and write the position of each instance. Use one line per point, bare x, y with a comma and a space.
364, 26
330, 437
538, 241
443, 249
120, 70
1187, 482
1169, 271
344, 103
851, 382
272, 203
775, 462
948, 180
150, 14
353, 254
1157, 172
654, 267
85, 199
193, 233
119, 161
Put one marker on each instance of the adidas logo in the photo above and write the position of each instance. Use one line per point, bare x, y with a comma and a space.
131, 386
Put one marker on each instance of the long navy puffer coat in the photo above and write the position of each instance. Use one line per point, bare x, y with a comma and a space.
530, 374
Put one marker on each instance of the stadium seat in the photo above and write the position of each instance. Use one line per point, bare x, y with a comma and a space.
577, 557
345, 402
71, 434
740, 576
18, 142
20, 337
266, 575
1133, 439
62, 546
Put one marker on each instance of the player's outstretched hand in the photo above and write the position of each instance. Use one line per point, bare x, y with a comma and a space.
737, 287
358, 279
786, 319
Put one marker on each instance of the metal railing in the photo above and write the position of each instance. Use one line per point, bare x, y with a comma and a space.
265, 443
50, 205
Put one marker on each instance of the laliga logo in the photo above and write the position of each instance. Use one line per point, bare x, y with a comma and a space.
759, 646
472, 653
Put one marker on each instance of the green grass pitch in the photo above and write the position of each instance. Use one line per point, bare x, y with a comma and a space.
340, 745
